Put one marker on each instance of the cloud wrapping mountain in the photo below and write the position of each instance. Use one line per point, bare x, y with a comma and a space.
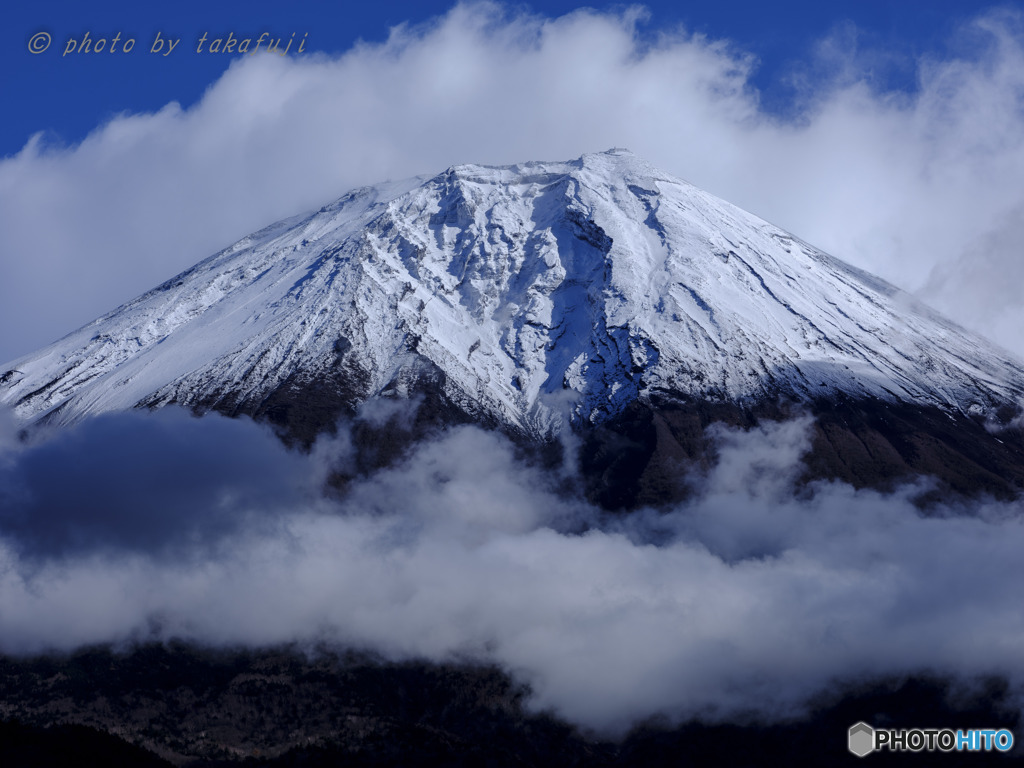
748, 599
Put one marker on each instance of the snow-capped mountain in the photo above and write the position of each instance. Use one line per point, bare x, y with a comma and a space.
533, 292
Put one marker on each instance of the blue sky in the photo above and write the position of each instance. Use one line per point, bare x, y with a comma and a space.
889, 134
69, 95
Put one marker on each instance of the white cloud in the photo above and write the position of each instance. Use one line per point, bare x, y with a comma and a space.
752, 599
912, 188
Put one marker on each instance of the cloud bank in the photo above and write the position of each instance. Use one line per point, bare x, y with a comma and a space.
922, 188
745, 601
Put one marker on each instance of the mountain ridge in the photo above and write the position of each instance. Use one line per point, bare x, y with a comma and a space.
538, 296
585, 298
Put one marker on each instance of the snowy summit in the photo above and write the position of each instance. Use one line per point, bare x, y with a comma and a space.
530, 293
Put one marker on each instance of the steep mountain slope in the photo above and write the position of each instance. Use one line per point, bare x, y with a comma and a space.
528, 297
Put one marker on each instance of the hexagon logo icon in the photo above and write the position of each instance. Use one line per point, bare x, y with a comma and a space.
861, 739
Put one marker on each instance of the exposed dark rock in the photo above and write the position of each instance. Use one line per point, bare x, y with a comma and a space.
643, 456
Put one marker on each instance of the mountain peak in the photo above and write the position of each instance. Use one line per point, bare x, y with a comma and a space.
536, 293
